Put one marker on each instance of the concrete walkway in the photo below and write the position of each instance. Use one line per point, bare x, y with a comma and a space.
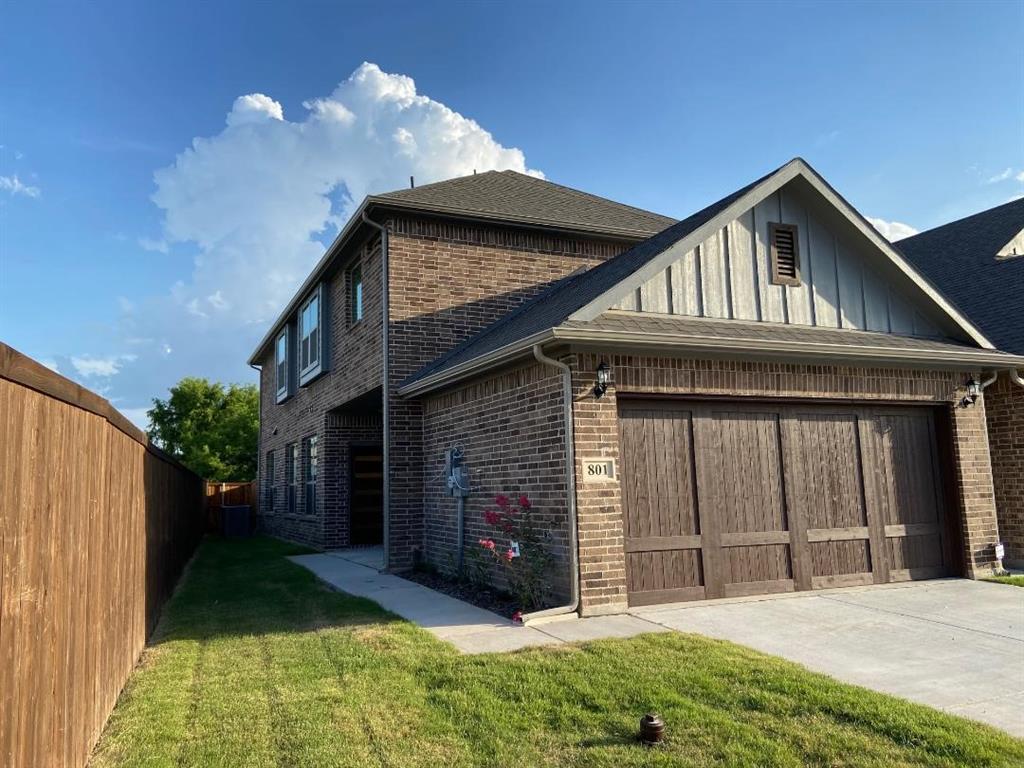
953, 644
468, 628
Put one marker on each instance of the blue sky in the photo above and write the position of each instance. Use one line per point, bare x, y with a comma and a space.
128, 260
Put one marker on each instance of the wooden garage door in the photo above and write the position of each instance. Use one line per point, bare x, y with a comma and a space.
729, 499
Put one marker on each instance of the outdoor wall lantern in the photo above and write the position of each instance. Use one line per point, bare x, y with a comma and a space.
604, 377
973, 391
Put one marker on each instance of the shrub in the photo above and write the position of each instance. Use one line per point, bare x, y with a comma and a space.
528, 574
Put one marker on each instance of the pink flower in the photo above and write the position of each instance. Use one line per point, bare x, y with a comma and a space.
487, 544
502, 500
491, 517
524, 501
517, 617
510, 555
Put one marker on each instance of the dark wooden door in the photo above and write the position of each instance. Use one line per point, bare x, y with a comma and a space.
366, 496
724, 499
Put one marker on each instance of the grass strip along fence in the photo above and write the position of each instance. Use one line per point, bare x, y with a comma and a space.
96, 525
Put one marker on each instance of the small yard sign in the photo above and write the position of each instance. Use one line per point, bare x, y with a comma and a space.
596, 470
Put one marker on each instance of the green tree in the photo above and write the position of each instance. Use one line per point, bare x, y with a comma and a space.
212, 429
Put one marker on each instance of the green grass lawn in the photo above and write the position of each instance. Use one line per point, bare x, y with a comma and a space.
1013, 581
256, 664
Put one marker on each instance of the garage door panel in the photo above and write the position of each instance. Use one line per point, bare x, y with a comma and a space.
757, 563
830, 473
659, 502
825, 479
659, 494
664, 571
747, 471
907, 464
835, 558
729, 499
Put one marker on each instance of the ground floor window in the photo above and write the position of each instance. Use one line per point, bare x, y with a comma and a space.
291, 469
268, 483
310, 474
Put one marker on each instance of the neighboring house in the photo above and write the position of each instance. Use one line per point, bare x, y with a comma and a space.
762, 397
978, 262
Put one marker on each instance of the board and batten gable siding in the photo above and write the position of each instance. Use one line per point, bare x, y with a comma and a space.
729, 276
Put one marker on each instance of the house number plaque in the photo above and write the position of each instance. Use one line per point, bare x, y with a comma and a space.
596, 470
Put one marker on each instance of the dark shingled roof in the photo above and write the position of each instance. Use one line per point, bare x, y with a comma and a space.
960, 258
727, 332
516, 197
552, 307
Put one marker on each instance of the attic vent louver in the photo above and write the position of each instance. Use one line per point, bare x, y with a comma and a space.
785, 253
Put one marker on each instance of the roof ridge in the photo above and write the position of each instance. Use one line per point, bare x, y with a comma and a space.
434, 183
588, 195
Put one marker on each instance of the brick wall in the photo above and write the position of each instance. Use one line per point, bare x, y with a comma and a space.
1004, 405
448, 281
355, 369
512, 428
602, 559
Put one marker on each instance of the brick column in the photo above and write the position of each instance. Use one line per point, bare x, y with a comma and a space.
598, 504
976, 500
1004, 409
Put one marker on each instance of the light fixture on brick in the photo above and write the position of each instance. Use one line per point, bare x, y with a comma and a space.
604, 377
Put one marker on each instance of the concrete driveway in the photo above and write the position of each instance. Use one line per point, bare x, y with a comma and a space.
953, 644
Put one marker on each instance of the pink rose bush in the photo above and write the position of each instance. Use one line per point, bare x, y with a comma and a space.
528, 571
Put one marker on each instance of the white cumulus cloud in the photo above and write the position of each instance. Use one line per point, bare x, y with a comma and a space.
89, 366
255, 201
15, 186
892, 230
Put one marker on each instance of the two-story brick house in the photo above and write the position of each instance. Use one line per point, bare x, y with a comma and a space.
762, 397
459, 255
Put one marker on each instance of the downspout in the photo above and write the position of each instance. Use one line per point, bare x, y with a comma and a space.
386, 386
260, 480
570, 481
1015, 377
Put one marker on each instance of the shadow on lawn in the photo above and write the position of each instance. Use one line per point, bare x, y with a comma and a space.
246, 587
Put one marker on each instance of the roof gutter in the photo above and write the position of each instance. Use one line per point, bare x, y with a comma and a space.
967, 358
889, 355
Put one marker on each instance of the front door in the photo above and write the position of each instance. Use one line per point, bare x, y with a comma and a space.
366, 496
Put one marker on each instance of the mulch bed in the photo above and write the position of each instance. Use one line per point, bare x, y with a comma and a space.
482, 597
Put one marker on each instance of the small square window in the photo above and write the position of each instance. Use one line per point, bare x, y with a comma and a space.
785, 253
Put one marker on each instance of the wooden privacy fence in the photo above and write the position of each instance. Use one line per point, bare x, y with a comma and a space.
227, 495
95, 527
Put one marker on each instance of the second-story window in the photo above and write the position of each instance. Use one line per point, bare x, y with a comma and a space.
356, 294
309, 333
281, 364
312, 334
